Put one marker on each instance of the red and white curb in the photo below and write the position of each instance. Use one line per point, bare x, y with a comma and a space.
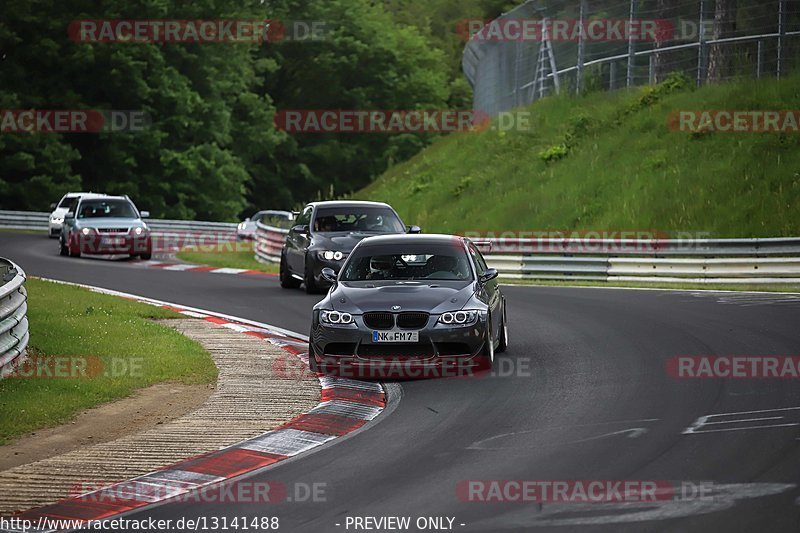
346, 406
188, 267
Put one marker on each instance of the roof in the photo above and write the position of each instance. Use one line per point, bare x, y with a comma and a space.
348, 203
404, 238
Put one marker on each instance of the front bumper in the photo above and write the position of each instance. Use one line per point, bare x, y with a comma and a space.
441, 352
115, 244
54, 228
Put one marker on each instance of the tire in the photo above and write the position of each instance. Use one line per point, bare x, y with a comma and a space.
488, 351
287, 281
308, 281
312, 362
503, 344
62, 249
147, 256
74, 252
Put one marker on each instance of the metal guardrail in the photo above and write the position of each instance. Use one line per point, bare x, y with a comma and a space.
38, 221
269, 242
771, 260
13, 320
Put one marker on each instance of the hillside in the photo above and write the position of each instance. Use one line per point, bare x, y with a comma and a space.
608, 161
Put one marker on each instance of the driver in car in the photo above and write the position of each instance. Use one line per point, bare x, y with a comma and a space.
380, 268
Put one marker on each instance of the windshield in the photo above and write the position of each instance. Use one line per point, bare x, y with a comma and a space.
67, 202
106, 209
419, 262
358, 219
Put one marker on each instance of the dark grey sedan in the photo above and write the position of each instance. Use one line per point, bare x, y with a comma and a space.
409, 306
324, 234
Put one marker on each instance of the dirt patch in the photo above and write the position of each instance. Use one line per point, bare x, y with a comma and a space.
145, 409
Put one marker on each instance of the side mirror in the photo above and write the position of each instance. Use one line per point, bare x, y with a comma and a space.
145, 214
413, 229
52, 206
329, 274
489, 275
69, 216
300, 228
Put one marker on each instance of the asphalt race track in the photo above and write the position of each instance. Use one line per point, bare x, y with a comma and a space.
582, 394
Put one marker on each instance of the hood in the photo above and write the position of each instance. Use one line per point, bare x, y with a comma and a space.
59, 212
429, 296
341, 241
110, 223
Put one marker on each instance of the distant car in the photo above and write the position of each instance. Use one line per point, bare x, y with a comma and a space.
105, 225
412, 305
246, 230
60, 209
326, 232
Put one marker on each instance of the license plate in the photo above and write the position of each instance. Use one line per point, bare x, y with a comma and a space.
395, 336
112, 241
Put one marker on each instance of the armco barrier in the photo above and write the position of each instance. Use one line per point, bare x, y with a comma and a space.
13, 319
269, 242
169, 236
771, 260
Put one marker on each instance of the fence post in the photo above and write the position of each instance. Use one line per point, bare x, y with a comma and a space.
612, 75
651, 78
760, 58
631, 56
701, 49
781, 34
581, 45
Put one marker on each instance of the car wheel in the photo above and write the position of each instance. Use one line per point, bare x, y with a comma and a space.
488, 350
308, 280
146, 256
287, 281
74, 251
62, 248
312, 361
503, 344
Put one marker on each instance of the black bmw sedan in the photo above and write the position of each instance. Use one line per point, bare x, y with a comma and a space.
324, 234
409, 306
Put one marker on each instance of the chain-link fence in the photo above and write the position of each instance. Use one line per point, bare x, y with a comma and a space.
548, 47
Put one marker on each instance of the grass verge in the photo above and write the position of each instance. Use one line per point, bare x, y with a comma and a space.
609, 161
113, 339
238, 255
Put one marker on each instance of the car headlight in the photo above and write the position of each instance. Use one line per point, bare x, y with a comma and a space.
242, 225
86, 231
459, 318
336, 318
138, 231
56, 220
330, 255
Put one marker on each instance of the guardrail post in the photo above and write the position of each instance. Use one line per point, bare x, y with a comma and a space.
631, 49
